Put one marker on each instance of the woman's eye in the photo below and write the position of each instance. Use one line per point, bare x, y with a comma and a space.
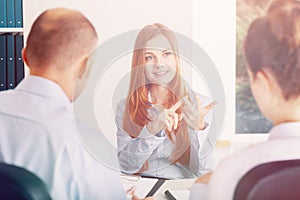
148, 58
168, 53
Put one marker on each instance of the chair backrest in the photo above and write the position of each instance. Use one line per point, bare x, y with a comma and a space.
19, 183
275, 180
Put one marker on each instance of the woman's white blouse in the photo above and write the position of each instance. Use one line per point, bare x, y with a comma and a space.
157, 149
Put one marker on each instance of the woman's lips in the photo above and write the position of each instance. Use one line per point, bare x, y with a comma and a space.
161, 73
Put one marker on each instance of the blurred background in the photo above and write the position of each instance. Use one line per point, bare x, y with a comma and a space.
248, 117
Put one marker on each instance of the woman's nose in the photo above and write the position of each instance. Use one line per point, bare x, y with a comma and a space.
159, 65
159, 62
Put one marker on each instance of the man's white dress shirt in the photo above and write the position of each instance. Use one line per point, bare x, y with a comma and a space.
38, 132
283, 144
157, 149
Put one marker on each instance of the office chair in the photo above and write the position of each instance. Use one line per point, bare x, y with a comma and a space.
17, 183
278, 180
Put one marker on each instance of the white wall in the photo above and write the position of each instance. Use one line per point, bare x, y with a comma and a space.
214, 31
112, 17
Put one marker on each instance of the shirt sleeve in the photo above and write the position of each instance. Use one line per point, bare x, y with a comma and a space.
97, 182
86, 177
134, 152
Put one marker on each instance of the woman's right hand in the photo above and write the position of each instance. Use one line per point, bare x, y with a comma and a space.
166, 119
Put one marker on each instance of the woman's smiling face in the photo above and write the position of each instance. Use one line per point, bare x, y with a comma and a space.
160, 61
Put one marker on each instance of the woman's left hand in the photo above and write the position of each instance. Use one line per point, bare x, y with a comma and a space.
195, 117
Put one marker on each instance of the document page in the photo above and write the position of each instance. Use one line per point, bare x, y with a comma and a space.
143, 185
180, 188
177, 194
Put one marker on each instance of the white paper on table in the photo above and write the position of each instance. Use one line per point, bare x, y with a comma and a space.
180, 194
182, 186
143, 185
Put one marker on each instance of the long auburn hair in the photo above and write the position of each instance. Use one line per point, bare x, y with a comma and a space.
137, 102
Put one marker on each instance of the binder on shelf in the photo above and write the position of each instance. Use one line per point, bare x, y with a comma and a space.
2, 13
2, 62
10, 61
19, 65
10, 13
18, 13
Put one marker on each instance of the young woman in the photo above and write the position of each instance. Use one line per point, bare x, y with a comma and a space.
162, 125
272, 50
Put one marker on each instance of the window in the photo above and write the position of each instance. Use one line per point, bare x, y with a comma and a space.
248, 117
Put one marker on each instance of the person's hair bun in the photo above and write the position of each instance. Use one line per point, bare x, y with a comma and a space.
284, 18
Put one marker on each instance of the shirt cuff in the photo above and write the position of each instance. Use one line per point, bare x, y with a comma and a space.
145, 134
192, 132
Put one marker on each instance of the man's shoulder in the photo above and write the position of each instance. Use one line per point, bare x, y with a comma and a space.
12, 104
6, 96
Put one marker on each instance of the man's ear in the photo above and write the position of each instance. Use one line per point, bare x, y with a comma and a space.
84, 69
24, 56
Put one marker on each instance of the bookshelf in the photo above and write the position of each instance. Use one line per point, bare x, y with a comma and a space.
11, 30
11, 43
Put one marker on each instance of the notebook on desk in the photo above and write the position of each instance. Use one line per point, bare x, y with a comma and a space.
144, 186
156, 186
179, 188
177, 194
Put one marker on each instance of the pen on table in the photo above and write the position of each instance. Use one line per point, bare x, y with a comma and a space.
169, 195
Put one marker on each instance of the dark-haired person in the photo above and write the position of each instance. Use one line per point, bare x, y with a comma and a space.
37, 128
272, 50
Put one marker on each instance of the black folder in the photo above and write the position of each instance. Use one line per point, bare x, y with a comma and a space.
10, 61
2, 62
19, 65
10, 13
2, 13
18, 13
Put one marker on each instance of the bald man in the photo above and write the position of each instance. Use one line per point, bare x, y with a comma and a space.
37, 128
